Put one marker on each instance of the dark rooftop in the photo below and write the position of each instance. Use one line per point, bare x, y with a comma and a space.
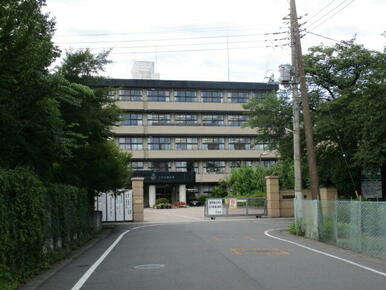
168, 84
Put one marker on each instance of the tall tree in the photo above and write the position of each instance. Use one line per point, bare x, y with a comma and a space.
31, 129
347, 87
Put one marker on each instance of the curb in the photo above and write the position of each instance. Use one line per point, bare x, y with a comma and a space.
36, 281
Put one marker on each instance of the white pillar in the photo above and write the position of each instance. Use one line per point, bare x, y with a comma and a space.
182, 191
151, 195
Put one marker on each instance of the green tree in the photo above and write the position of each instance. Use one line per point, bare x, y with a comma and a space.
96, 163
31, 129
346, 84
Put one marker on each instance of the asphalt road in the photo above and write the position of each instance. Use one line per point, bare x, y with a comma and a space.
217, 255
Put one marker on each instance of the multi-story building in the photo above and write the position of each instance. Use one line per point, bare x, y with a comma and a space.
186, 136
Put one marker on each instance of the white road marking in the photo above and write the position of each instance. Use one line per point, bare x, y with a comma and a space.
324, 253
91, 270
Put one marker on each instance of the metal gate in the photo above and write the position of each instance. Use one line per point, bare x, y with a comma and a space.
115, 208
223, 207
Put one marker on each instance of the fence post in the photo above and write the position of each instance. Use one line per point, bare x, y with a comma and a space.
273, 196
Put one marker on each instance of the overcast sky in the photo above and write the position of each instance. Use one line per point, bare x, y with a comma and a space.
188, 39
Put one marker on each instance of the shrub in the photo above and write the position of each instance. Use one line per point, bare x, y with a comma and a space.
202, 199
38, 223
161, 200
163, 205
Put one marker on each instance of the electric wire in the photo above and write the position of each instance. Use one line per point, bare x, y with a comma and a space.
185, 44
324, 7
167, 39
313, 26
207, 49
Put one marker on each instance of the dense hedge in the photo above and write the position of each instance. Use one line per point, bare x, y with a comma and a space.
38, 223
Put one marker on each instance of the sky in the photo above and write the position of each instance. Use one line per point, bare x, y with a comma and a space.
212, 40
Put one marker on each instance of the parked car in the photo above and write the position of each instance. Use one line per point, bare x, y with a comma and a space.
194, 202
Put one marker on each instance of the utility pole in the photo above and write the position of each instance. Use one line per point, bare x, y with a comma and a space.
296, 123
297, 54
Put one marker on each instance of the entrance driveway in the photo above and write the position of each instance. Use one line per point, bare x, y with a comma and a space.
173, 215
190, 214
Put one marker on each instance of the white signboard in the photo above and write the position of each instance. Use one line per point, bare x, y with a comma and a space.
214, 206
115, 208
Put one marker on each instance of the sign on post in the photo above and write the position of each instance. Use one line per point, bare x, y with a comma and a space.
215, 206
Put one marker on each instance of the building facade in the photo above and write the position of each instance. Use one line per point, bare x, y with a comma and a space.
186, 136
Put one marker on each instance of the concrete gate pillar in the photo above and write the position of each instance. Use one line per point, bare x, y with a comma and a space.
151, 195
273, 196
182, 192
137, 184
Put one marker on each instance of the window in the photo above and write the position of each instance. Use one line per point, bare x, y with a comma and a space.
185, 119
238, 97
186, 144
214, 167
158, 95
158, 143
130, 95
213, 144
111, 95
130, 143
235, 164
240, 143
137, 165
261, 146
237, 120
131, 119
181, 166
185, 96
211, 97
259, 95
158, 119
241, 163
160, 166
213, 120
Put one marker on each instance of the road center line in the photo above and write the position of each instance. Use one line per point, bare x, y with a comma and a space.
267, 233
91, 270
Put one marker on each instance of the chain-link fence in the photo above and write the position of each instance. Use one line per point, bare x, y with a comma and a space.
356, 225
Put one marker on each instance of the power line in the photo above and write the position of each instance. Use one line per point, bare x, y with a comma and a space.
324, 7
170, 39
312, 25
178, 30
207, 49
326, 37
187, 44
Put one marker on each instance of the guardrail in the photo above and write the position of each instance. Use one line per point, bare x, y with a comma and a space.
224, 207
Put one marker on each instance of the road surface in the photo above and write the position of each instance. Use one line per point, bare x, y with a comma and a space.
218, 254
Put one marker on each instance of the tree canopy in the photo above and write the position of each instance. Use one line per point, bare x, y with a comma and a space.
54, 121
346, 85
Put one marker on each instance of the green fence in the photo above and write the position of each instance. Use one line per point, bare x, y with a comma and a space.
356, 225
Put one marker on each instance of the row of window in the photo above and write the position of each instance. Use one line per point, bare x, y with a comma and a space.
133, 119
135, 95
213, 166
189, 143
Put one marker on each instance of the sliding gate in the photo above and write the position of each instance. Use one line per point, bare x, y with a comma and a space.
115, 208
223, 207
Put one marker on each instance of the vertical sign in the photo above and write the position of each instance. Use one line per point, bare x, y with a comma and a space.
119, 208
214, 206
128, 201
115, 208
